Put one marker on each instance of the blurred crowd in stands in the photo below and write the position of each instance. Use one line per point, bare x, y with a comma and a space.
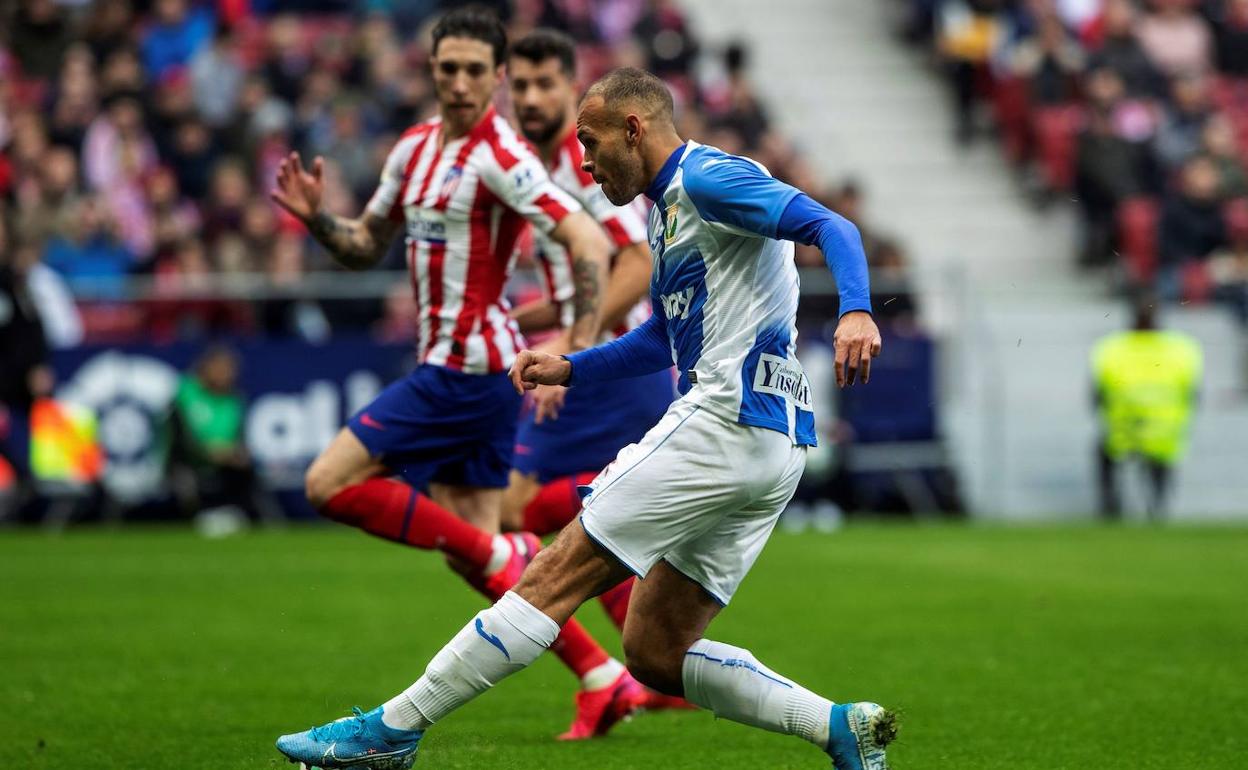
1135, 109
140, 138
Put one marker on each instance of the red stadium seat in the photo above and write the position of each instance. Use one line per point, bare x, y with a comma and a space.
1137, 236
1011, 110
1236, 215
1057, 131
1197, 283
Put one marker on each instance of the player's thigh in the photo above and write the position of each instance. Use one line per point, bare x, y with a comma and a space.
665, 490
344, 462
720, 558
521, 489
667, 613
477, 506
567, 573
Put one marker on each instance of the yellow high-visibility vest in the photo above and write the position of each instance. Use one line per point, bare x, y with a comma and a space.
1147, 381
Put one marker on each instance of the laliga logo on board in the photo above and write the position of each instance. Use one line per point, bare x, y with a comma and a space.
132, 395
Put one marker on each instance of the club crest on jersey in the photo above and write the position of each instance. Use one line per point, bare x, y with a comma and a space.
451, 183
780, 377
670, 234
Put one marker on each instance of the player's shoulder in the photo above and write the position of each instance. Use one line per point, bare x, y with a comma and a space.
708, 172
499, 146
409, 139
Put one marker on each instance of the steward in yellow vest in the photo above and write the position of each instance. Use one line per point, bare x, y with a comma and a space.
1147, 381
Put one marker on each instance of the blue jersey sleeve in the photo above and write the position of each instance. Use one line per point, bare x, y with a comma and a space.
644, 350
736, 192
806, 221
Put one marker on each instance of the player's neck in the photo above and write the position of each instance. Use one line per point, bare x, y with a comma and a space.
452, 131
656, 152
549, 149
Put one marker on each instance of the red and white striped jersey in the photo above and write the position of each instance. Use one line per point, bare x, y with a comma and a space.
465, 204
625, 224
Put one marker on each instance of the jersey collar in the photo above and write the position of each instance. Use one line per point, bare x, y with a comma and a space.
659, 185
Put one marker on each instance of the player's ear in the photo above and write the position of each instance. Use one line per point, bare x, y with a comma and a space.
632, 130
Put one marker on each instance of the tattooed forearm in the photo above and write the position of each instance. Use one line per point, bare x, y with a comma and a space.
352, 242
587, 278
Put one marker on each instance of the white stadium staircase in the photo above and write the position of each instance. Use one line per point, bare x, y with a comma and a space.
996, 277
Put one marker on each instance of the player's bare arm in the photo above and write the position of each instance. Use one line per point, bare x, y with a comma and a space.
536, 316
356, 244
589, 249
630, 281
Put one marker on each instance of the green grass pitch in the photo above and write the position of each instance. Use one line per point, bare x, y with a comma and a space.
1046, 648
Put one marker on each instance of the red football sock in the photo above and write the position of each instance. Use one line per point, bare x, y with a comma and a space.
555, 504
395, 511
615, 601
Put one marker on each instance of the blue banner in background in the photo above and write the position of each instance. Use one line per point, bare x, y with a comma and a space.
298, 397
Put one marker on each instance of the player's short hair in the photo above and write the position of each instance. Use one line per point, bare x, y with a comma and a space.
542, 44
631, 85
474, 23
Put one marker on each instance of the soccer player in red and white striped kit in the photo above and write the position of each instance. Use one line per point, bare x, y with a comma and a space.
426, 462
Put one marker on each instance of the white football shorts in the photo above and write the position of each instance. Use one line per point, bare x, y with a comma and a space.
700, 491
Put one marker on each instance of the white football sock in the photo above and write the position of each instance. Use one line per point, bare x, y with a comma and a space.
499, 556
497, 643
730, 682
602, 676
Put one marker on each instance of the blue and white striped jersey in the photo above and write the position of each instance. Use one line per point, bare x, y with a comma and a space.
728, 289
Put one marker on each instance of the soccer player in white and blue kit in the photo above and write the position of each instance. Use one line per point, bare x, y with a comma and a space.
690, 506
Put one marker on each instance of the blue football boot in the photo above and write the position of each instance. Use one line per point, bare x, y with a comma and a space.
858, 734
360, 742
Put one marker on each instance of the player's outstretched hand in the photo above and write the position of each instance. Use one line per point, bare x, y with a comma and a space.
299, 191
857, 342
547, 401
531, 369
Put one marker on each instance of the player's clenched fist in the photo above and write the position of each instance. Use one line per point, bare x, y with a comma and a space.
531, 369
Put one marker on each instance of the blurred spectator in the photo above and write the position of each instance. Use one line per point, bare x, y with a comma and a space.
285, 62
174, 218
670, 46
738, 107
52, 202
228, 194
74, 99
1232, 41
1117, 48
1176, 38
892, 298
1180, 134
968, 31
1228, 273
209, 457
90, 248
288, 317
1146, 386
1050, 61
23, 355
1218, 142
178, 31
109, 27
39, 36
1192, 225
217, 79
123, 71
1110, 166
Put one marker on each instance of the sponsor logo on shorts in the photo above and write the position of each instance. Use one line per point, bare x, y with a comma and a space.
781, 377
368, 422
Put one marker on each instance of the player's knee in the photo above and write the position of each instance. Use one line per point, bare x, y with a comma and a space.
658, 669
320, 485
